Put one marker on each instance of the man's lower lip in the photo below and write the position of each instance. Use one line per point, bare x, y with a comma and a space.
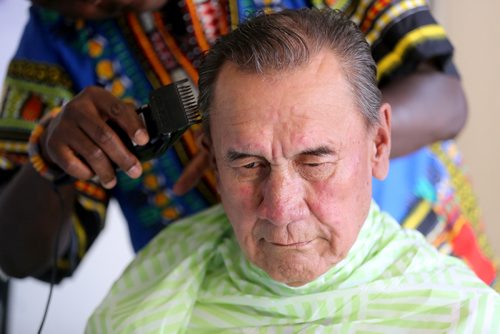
295, 245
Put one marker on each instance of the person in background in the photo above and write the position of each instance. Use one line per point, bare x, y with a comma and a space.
82, 63
296, 131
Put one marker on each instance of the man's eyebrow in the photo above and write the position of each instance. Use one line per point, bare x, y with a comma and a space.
319, 151
233, 155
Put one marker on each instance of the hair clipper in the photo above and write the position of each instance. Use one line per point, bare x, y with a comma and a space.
172, 109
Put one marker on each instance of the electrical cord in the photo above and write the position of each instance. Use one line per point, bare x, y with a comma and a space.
54, 264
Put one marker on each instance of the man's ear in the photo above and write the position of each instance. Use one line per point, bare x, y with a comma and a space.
382, 143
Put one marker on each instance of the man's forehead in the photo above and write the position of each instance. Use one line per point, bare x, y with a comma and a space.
303, 92
283, 117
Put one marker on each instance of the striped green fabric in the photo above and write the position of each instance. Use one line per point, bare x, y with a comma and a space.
193, 278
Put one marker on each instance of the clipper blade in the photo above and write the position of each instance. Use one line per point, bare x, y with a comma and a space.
174, 107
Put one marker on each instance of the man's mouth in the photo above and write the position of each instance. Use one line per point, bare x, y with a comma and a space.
291, 245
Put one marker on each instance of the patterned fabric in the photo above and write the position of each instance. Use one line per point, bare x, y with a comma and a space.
432, 194
133, 54
194, 278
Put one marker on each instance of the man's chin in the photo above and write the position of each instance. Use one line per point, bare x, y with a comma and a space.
293, 269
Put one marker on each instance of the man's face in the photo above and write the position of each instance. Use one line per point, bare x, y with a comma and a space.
295, 159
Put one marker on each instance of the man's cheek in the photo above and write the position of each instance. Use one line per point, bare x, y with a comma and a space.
327, 200
244, 195
236, 192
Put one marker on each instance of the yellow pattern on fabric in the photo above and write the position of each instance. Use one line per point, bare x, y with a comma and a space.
105, 69
233, 10
93, 205
393, 59
461, 184
468, 206
81, 236
394, 13
48, 74
5, 163
12, 146
360, 11
417, 215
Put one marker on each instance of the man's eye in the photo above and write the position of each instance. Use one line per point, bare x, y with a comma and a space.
316, 171
251, 165
250, 171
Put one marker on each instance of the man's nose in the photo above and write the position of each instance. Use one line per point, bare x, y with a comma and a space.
283, 199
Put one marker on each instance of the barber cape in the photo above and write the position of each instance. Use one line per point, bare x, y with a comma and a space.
193, 278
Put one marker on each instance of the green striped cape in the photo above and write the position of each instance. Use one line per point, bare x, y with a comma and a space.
193, 278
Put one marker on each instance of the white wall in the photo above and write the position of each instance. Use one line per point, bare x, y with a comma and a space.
75, 299
13, 14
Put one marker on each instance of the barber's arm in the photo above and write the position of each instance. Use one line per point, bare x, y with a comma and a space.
32, 214
427, 106
79, 142
416, 75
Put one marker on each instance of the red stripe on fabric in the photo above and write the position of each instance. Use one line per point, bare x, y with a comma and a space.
374, 10
465, 246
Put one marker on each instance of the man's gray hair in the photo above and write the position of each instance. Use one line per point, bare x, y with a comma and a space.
288, 39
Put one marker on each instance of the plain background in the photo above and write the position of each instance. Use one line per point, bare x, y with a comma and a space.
474, 31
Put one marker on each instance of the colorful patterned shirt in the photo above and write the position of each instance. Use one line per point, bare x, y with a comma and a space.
194, 278
135, 53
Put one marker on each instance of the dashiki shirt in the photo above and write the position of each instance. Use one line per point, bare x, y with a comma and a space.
194, 278
135, 53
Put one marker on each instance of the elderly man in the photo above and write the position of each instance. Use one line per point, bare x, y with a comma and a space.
296, 130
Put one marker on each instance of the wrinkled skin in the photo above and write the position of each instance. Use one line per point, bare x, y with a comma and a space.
295, 159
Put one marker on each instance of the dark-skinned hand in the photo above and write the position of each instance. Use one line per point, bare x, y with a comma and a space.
80, 141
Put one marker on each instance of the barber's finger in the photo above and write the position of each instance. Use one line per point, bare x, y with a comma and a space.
109, 150
123, 114
192, 173
83, 156
55, 146
87, 112
100, 164
94, 157
65, 158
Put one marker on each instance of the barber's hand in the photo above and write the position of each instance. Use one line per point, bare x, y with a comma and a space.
98, 9
195, 169
81, 143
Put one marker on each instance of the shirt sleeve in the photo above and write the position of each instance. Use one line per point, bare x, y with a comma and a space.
41, 76
402, 35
